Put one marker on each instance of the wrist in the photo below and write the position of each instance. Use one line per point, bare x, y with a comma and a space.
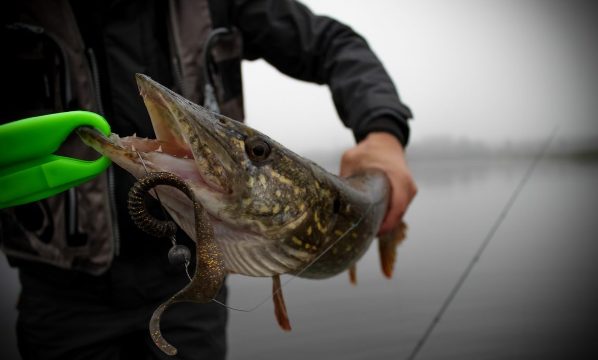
384, 138
385, 124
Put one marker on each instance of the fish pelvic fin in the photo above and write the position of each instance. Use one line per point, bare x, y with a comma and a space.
280, 309
353, 274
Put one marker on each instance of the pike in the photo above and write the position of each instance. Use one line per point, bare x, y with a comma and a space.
252, 206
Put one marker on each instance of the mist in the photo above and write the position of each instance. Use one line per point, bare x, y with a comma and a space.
495, 72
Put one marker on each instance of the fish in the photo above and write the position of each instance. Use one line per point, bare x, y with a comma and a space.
270, 211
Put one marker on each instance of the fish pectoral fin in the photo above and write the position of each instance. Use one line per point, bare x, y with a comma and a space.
280, 309
353, 274
387, 246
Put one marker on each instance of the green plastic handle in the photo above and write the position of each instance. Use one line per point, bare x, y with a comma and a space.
28, 169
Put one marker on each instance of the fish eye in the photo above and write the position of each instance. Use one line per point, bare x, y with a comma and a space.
257, 149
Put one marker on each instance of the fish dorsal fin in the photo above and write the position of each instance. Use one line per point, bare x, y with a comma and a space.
280, 309
353, 274
387, 246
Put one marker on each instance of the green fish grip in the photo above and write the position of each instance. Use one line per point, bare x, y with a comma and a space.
29, 171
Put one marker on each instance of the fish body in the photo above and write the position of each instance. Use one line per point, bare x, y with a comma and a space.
274, 212
269, 211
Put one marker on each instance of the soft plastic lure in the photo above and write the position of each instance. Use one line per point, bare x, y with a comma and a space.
209, 269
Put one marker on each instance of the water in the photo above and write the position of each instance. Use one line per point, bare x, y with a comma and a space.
531, 295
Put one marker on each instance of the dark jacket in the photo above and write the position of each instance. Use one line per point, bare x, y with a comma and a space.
84, 55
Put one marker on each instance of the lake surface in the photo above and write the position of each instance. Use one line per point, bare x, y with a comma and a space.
532, 294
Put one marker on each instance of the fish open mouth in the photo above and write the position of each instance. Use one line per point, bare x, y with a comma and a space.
209, 153
184, 143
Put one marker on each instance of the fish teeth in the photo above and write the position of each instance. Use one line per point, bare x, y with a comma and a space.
116, 139
159, 149
133, 148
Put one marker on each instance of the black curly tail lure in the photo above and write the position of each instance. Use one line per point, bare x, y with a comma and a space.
209, 271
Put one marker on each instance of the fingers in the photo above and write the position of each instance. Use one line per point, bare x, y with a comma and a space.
382, 151
349, 162
403, 190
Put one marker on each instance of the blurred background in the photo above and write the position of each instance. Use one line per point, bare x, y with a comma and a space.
488, 82
475, 73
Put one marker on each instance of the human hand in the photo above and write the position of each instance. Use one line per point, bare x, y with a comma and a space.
383, 151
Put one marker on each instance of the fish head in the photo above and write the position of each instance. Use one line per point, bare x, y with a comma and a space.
245, 180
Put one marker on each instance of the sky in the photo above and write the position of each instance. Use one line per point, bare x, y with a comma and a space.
483, 70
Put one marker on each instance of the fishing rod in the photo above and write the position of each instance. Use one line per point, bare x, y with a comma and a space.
489, 236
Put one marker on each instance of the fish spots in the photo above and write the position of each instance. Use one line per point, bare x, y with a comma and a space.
262, 180
278, 193
287, 209
280, 178
303, 244
319, 225
263, 209
238, 143
276, 209
302, 207
338, 233
296, 241
250, 182
293, 225
247, 201
309, 230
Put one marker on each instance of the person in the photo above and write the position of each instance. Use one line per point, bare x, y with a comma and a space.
90, 280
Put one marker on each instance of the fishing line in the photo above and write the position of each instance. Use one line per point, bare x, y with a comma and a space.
489, 236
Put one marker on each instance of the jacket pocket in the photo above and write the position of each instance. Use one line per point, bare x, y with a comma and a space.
34, 69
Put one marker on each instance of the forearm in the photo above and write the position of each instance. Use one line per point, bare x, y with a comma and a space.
322, 50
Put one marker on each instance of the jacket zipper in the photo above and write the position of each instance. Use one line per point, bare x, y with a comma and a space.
71, 194
95, 78
175, 49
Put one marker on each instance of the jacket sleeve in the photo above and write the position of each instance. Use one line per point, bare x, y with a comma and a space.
322, 50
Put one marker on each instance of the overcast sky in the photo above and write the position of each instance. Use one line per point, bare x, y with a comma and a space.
490, 70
